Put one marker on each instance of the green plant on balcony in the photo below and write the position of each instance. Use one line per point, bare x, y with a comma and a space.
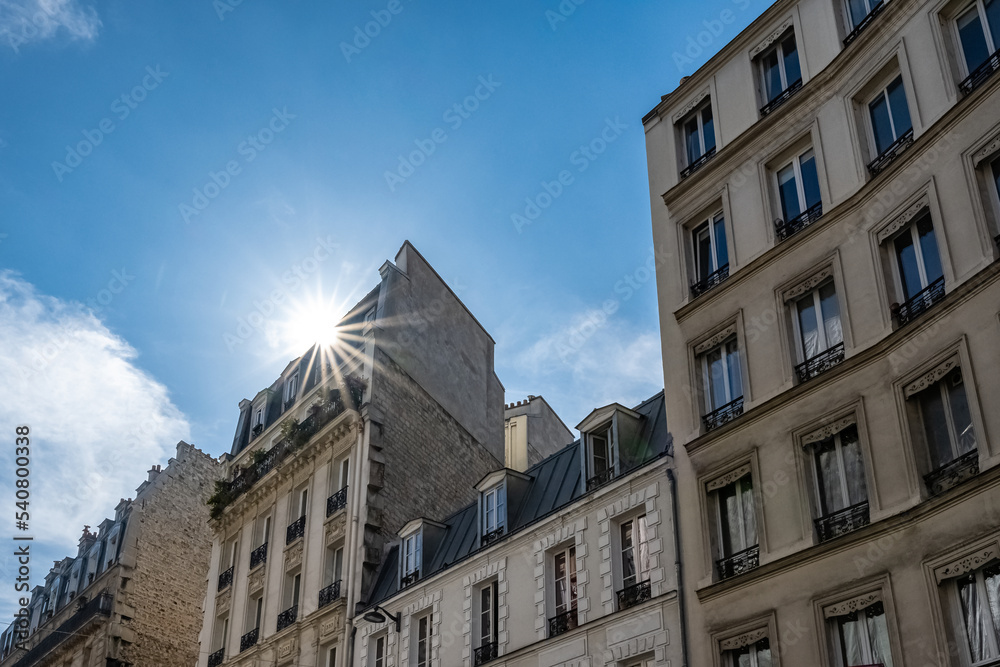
218, 501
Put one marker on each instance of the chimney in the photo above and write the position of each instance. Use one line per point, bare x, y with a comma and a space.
153, 473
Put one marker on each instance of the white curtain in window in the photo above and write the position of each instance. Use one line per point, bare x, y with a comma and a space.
975, 623
749, 516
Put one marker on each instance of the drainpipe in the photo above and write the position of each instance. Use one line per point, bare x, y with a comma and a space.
679, 572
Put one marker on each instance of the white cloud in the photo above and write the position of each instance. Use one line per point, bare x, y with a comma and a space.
97, 420
25, 21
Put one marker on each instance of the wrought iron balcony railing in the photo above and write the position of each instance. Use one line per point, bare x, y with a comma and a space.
723, 415
101, 605
337, 501
980, 74
739, 563
249, 639
295, 530
563, 622
781, 98
842, 521
953, 473
329, 594
600, 479
492, 536
820, 363
635, 594
698, 164
256, 430
226, 578
783, 229
215, 659
258, 556
287, 617
865, 22
713, 279
889, 155
921, 301
409, 579
488, 651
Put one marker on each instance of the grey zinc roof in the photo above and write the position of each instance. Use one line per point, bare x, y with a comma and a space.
555, 483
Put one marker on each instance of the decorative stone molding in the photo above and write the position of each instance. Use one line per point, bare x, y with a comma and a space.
287, 651
830, 429
471, 582
651, 643
807, 285
575, 532
428, 604
771, 38
331, 626
728, 478
986, 151
293, 555
687, 108
643, 498
931, 377
224, 600
854, 604
256, 581
967, 563
745, 639
903, 218
336, 529
715, 340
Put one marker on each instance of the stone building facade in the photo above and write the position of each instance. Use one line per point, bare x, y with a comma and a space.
828, 185
132, 594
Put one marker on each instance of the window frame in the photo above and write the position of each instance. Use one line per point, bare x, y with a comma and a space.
697, 114
406, 555
499, 497
705, 371
992, 41
993, 638
911, 229
881, 90
568, 554
378, 650
710, 226
795, 162
813, 454
423, 630
851, 25
778, 48
292, 388
814, 294
641, 574
490, 614
719, 513
941, 386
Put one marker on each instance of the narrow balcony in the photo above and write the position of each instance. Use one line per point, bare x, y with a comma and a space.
783, 229
865, 22
600, 479
488, 651
783, 97
842, 521
249, 639
257, 430
820, 363
710, 281
563, 622
330, 594
889, 155
739, 563
409, 579
215, 659
337, 501
979, 75
921, 301
226, 579
953, 473
635, 594
491, 536
295, 530
258, 556
287, 617
723, 415
698, 164
87, 611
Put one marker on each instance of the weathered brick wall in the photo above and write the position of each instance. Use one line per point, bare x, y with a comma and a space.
172, 544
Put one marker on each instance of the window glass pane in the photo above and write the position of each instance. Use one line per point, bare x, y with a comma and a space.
906, 258
881, 126
852, 640
831, 315
854, 467
486, 607
900, 110
810, 179
771, 74
691, 140
929, 249
708, 128
992, 579
970, 31
808, 326
729, 521
960, 412
749, 516
560, 577
878, 636
716, 379
628, 555
791, 61
721, 249
993, 20
764, 656
996, 170
976, 628
703, 251
859, 10
935, 426
735, 379
788, 193
831, 497
643, 559
601, 458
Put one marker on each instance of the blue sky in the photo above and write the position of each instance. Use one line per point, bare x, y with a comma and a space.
164, 167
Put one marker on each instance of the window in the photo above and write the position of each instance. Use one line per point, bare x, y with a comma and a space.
636, 562
889, 115
334, 564
819, 331
978, 595
858, 10
565, 591
917, 272
757, 654
494, 513
947, 423
345, 473
258, 419
411, 559
291, 389
779, 70
331, 657
376, 652
489, 612
978, 30
841, 491
303, 502
711, 254
422, 642
698, 131
861, 637
221, 633
255, 612
722, 383
602, 453
798, 186
736, 532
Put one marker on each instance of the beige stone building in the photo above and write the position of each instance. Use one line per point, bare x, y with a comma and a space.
571, 561
828, 186
132, 594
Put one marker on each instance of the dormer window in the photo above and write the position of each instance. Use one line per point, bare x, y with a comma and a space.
494, 514
258, 420
602, 464
601, 436
411, 551
698, 137
291, 389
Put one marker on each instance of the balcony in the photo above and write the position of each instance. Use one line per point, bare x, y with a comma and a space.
337, 501
889, 155
710, 281
226, 578
635, 594
87, 611
488, 651
739, 563
723, 415
865, 22
257, 430
249, 639
491, 536
215, 659
287, 617
295, 530
258, 556
842, 521
820, 363
921, 301
600, 479
783, 229
409, 579
953, 473
783, 97
563, 622
698, 164
330, 594
980, 74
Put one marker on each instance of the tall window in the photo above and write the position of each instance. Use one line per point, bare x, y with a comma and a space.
862, 638
857, 10
947, 421
636, 561
710, 250
779, 67
221, 633
723, 382
564, 564
757, 654
411, 556
489, 612
917, 262
334, 565
818, 319
292, 388
263, 531
494, 511
699, 133
602, 455
979, 604
422, 642
737, 517
345, 474
798, 185
839, 472
331, 657
978, 31
258, 419
889, 115
255, 612
376, 652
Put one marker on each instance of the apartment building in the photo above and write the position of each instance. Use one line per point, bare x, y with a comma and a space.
571, 561
828, 183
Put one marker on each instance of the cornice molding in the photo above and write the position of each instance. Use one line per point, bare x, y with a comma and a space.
931, 377
745, 639
830, 429
904, 218
785, 26
852, 605
728, 478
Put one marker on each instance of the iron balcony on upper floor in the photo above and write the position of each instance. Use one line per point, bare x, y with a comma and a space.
979, 75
